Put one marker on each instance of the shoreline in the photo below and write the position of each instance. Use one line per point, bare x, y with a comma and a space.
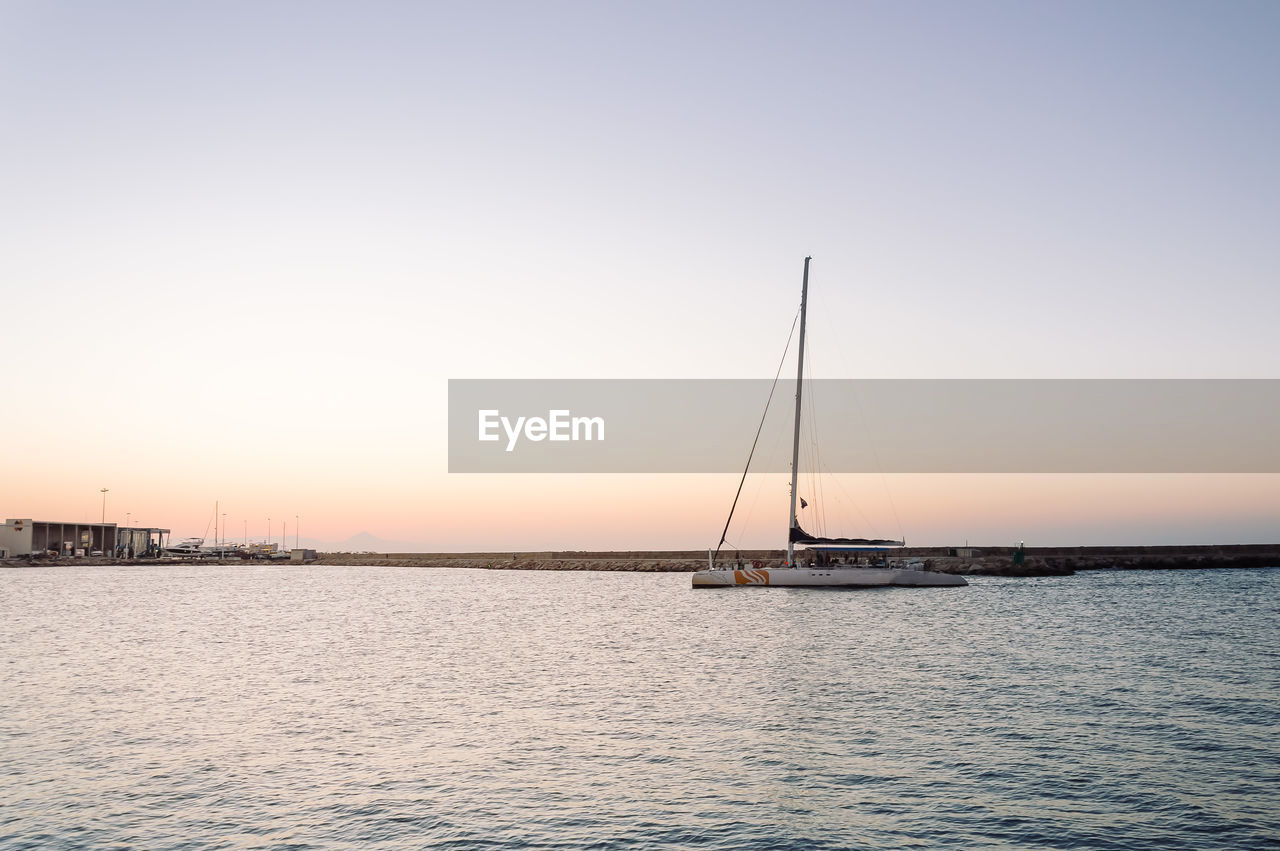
979, 561
964, 561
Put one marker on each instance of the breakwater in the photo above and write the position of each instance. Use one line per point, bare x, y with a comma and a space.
964, 561
971, 561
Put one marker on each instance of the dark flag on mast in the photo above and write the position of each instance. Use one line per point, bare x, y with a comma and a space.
803, 504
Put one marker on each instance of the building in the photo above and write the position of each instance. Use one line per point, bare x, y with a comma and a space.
141, 541
24, 537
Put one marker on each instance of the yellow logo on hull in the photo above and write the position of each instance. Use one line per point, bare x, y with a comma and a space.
751, 577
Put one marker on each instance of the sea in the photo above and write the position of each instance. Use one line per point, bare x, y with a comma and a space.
316, 707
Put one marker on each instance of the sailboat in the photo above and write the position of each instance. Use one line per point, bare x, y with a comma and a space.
825, 561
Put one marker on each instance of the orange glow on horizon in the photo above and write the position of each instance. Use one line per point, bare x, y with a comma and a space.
680, 512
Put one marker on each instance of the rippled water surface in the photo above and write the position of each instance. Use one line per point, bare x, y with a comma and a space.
326, 707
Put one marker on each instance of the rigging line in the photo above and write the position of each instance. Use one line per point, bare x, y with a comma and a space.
862, 415
884, 479
811, 450
773, 452
902, 536
759, 429
868, 525
817, 491
860, 411
817, 479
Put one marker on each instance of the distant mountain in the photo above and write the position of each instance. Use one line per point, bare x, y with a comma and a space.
359, 543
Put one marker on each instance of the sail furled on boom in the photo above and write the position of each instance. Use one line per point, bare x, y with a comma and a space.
800, 536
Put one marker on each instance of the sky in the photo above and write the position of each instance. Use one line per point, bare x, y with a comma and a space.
244, 247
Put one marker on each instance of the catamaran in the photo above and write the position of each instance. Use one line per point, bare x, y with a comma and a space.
824, 562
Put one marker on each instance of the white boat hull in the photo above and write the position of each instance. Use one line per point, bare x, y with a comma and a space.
824, 577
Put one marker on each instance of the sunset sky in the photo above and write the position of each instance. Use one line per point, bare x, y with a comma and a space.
244, 246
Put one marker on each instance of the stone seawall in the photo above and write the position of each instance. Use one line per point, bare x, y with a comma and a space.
971, 561
967, 561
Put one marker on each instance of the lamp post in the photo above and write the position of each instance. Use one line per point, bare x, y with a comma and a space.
102, 533
297, 531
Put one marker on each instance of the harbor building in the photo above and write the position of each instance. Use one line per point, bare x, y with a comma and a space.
22, 537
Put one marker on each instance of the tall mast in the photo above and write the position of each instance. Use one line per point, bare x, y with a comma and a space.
795, 443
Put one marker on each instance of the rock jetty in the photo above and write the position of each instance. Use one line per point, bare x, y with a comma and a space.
967, 561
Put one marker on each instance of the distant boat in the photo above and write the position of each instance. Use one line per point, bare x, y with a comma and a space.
187, 547
825, 561
195, 548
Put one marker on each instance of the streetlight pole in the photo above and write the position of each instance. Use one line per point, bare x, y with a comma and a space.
297, 531
102, 533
